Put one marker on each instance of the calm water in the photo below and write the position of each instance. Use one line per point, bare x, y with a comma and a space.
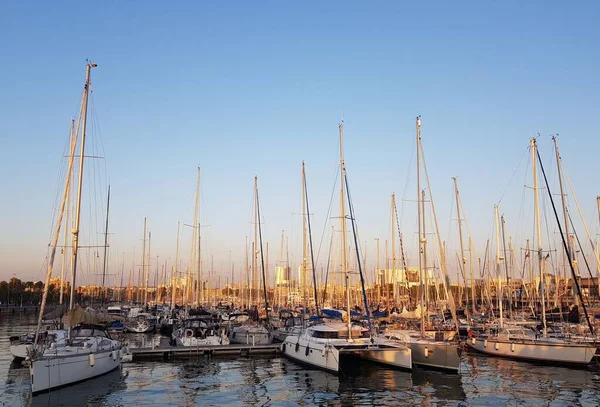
269, 381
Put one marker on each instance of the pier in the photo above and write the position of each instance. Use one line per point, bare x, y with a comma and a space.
172, 352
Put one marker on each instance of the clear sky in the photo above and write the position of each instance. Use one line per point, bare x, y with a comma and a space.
253, 88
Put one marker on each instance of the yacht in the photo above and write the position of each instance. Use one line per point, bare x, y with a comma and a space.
324, 344
90, 352
428, 351
518, 342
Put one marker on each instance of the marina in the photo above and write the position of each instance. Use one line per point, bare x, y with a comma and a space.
247, 204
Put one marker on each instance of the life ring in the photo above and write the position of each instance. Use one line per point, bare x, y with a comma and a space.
283, 347
306, 351
189, 333
297, 346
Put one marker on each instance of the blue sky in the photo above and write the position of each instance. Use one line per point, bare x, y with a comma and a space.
246, 88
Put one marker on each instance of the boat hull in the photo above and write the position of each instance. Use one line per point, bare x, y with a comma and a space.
313, 354
250, 338
435, 355
535, 351
396, 357
52, 372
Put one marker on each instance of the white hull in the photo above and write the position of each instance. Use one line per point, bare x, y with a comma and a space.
316, 354
250, 336
397, 357
536, 351
50, 372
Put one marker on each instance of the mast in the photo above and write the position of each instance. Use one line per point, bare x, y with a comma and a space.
395, 279
508, 287
377, 279
174, 277
463, 259
195, 231
419, 222
310, 242
75, 231
105, 247
262, 257
144, 271
498, 259
343, 225
304, 251
539, 234
255, 243
425, 272
73, 141
570, 251
472, 273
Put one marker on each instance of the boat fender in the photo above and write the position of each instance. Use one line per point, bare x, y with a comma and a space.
306, 351
485, 343
92, 360
189, 333
496, 346
283, 347
120, 354
512, 347
297, 346
112, 355
473, 341
426, 352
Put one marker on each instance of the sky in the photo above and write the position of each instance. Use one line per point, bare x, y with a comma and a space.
246, 89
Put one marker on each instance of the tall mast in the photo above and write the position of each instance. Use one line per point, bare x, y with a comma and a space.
200, 282
424, 313
304, 251
563, 197
395, 278
75, 231
419, 222
105, 247
539, 234
463, 259
343, 221
174, 277
471, 273
195, 232
73, 140
508, 287
255, 249
144, 271
498, 260
377, 279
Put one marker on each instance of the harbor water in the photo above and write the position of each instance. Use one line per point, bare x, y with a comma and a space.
275, 381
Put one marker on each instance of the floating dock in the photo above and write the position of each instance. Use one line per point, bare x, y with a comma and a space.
171, 352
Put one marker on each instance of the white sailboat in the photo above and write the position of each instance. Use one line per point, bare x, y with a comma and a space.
324, 344
517, 342
88, 351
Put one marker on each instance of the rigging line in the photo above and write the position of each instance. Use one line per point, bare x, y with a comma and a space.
564, 242
337, 170
513, 175
408, 174
580, 247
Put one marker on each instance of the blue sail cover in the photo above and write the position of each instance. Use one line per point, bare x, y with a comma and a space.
333, 313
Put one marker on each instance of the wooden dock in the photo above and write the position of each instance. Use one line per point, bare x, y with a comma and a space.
171, 352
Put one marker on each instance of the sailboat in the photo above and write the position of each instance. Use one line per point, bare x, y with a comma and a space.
322, 345
88, 351
427, 351
517, 342
253, 333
